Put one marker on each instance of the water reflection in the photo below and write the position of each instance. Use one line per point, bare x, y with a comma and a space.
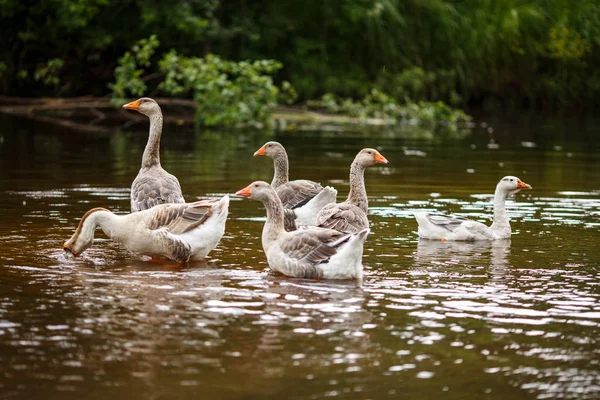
437, 252
517, 318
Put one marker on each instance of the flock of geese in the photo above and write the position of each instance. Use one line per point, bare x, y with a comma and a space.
306, 233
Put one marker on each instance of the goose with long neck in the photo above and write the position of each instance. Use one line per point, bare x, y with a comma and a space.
441, 227
153, 185
303, 197
310, 252
351, 215
179, 232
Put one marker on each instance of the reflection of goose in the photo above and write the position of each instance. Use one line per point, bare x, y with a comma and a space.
302, 196
153, 185
351, 215
498, 258
310, 252
433, 226
457, 252
179, 232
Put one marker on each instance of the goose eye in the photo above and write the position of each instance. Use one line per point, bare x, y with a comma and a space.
256, 185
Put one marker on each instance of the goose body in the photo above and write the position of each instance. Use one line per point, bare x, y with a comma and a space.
152, 185
441, 227
351, 215
309, 252
179, 232
303, 196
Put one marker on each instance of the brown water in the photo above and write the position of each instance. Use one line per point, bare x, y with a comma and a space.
516, 320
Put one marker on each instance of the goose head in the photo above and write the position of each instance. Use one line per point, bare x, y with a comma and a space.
367, 157
511, 184
270, 149
258, 190
144, 105
83, 237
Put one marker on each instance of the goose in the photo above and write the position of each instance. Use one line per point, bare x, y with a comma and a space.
309, 252
351, 215
178, 232
441, 227
305, 198
152, 185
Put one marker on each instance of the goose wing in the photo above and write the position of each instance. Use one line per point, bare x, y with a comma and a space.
313, 245
153, 187
296, 193
444, 221
181, 218
289, 219
342, 217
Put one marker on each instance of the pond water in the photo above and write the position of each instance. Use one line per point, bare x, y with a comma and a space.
517, 319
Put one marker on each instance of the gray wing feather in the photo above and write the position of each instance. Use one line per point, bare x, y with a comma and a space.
296, 193
313, 245
342, 217
181, 218
450, 223
289, 219
153, 187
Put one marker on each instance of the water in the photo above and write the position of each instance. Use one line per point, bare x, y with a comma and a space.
516, 319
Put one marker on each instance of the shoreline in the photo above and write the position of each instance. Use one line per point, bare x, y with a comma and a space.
98, 111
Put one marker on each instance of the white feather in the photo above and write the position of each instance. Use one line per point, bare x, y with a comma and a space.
305, 215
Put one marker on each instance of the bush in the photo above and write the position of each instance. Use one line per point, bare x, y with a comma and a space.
380, 105
228, 93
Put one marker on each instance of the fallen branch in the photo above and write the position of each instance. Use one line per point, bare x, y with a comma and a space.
91, 106
65, 123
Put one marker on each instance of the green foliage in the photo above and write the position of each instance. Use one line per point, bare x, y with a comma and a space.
522, 52
379, 105
458, 51
416, 84
228, 93
48, 73
90, 36
128, 74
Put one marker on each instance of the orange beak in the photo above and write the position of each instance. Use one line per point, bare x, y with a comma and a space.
261, 152
67, 248
134, 105
522, 185
379, 159
245, 192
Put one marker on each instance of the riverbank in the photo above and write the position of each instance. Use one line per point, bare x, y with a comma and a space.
101, 115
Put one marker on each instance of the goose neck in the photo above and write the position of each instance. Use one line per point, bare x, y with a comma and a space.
274, 225
358, 193
500, 216
151, 155
281, 166
107, 221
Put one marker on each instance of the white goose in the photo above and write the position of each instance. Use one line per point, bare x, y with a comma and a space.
351, 215
153, 185
308, 252
304, 197
179, 232
441, 227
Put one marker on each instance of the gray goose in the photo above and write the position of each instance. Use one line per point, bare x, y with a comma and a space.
179, 232
303, 197
309, 252
442, 227
152, 185
351, 215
